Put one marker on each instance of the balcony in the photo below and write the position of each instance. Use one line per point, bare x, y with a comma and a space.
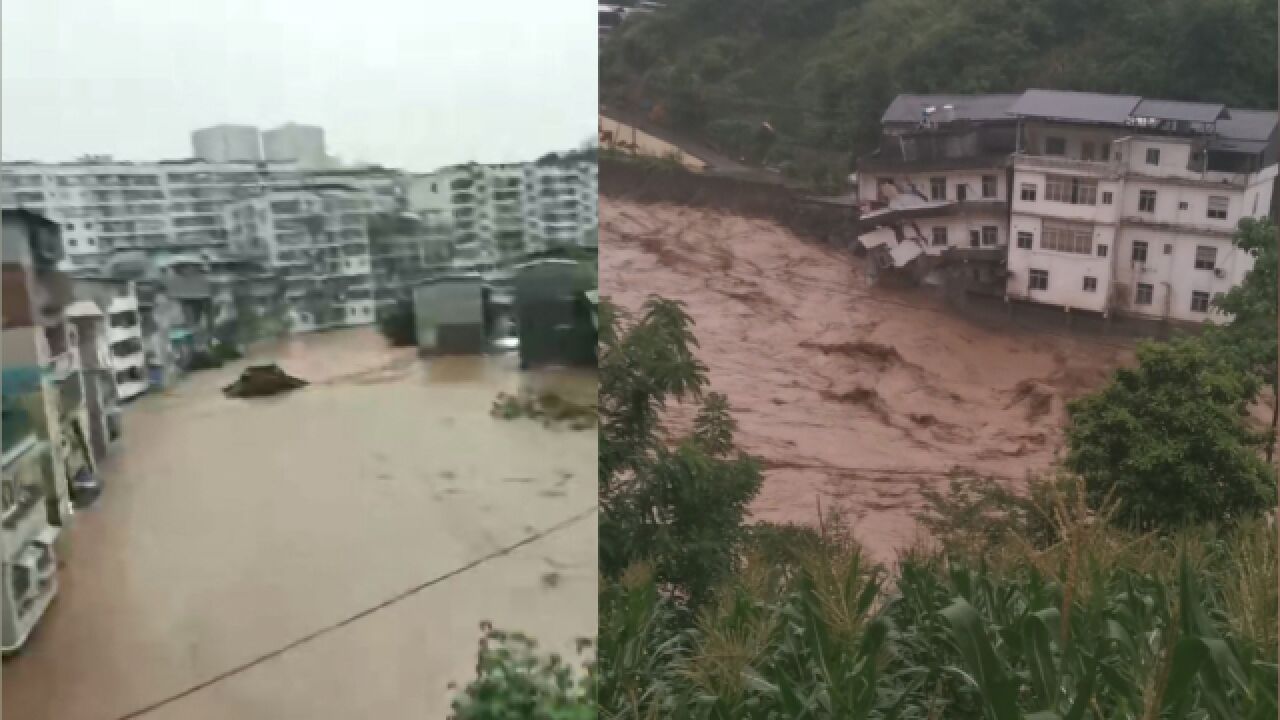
1109, 169
1153, 223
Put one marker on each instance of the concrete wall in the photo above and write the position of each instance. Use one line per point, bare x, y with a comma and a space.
1067, 271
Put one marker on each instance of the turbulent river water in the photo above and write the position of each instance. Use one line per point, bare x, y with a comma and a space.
855, 398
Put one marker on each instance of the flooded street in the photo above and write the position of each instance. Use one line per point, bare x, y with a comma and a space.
232, 528
854, 398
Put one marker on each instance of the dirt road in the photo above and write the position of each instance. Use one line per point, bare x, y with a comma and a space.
854, 396
232, 528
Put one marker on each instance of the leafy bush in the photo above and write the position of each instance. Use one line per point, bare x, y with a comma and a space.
677, 504
514, 683
1171, 441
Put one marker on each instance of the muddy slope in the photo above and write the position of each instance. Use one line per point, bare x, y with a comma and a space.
854, 397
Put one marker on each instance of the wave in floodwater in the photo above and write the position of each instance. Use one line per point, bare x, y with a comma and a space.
854, 397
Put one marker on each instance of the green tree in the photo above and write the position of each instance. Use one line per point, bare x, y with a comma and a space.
1251, 334
1169, 440
676, 504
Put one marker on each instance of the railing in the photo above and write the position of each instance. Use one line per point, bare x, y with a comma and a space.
1109, 167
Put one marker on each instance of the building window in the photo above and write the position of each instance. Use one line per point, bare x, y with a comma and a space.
1153, 156
1139, 251
1200, 302
990, 235
1102, 251
1024, 240
71, 242
937, 188
1106, 198
1206, 257
1147, 201
1038, 280
1106, 151
939, 236
1066, 239
1028, 192
1145, 292
1086, 151
962, 192
1255, 204
1071, 190
975, 238
1182, 205
1217, 207
1090, 284
1168, 249
1055, 146
988, 186
71, 226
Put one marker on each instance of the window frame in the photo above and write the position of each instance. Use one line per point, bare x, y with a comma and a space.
994, 185
1026, 240
1212, 263
1223, 206
1196, 297
1143, 197
1067, 239
935, 236
934, 194
1145, 248
1037, 279
1150, 292
1153, 156
1028, 192
1090, 284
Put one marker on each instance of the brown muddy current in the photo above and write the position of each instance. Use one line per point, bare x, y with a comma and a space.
855, 398
232, 528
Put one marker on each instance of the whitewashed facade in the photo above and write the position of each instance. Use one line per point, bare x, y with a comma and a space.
1106, 204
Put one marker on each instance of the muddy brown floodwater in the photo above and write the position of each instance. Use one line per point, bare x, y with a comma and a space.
854, 397
232, 528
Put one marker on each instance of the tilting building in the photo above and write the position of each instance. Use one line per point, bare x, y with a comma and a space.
1099, 203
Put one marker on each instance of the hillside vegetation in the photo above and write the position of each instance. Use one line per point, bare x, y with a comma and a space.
821, 72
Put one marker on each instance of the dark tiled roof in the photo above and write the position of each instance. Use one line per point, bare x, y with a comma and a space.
1184, 111
1246, 131
1076, 106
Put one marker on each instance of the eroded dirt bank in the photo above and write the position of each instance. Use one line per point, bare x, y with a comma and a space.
852, 396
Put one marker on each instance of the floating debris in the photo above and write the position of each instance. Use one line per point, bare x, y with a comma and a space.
548, 407
261, 381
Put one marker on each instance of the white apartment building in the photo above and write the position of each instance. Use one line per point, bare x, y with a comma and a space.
497, 213
1124, 204
164, 207
291, 142
125, 344
227, 143
1099, 203
317, 237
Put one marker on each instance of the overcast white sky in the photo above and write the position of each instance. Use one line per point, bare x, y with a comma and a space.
414, 84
